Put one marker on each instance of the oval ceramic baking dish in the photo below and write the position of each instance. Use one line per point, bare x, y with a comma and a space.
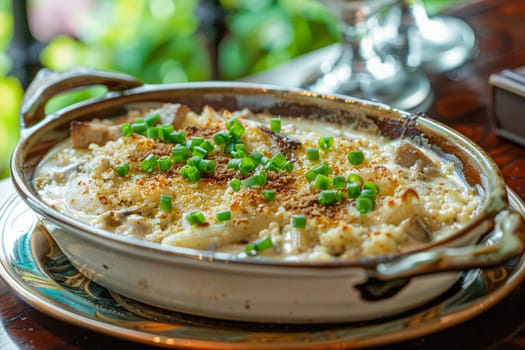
265, 290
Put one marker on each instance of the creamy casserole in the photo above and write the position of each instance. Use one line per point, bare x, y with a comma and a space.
255, 184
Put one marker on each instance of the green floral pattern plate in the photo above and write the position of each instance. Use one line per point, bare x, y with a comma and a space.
37, 271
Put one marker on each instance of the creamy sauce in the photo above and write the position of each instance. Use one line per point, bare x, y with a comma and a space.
420, 198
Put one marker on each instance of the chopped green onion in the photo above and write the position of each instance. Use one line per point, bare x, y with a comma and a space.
125, 129
164, 163
256, 157
265, 160
123, 169
229, 123
312, 154
325, 142
234, 163
152, 119
258, 246
368, 193
195, 161
177, 137
235, 128
256, 180
262, 174
321, 168
322, 182
221, 138
356, 157
165, 202
234, 139
139, 128
279, 160
268, 195
363, 205
194, 142
356, 179
179, 153
152, 132
353, 189
299, 221
329, 197
246, 165
190, 173
236, 184
371, 186
206, 166
200, 152
270, 166
229, 148
240, 147
239, 150
339, 181
149, 163
275, 125
207, 146
224, 215
195, 217
288, 166
310, 175
165, 131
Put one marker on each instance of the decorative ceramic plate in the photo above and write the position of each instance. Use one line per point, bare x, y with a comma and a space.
39, 273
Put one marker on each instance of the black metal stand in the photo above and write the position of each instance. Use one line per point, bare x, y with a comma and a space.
24, 49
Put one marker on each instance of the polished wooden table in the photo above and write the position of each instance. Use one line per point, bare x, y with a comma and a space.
460, 100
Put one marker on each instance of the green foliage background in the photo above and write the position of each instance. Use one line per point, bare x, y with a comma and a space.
10, 91
159, 41
265, 33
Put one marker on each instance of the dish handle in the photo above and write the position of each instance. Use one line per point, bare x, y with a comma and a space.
49, 83
505, 241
